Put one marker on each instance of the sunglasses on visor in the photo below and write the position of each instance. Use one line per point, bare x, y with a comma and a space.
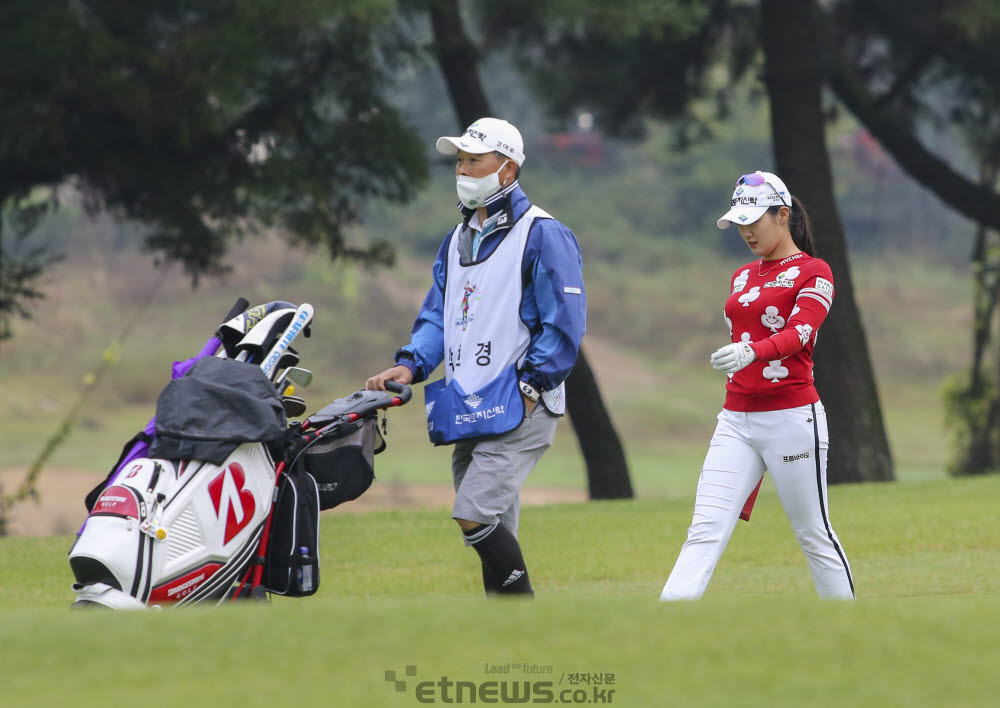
755, 179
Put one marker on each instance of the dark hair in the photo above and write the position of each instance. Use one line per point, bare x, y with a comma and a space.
799, 225
517, 172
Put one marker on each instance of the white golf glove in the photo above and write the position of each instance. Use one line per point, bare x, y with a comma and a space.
733, 357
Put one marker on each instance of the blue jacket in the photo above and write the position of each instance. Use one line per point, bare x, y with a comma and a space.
557, 319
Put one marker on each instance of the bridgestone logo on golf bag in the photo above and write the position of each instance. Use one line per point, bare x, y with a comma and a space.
233, 500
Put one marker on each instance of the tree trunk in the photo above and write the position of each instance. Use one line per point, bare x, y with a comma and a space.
982, 451
4, 328
458, 58
3, 512
859, 450
607, 471
985, 283
600, 444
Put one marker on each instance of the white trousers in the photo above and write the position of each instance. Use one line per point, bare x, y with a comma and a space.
792, 445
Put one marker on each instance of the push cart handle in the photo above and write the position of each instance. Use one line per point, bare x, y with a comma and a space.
405, 394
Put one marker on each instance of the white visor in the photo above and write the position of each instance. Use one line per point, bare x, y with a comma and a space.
753, 197
741, 214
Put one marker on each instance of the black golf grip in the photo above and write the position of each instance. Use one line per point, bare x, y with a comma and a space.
405, 394
240, 306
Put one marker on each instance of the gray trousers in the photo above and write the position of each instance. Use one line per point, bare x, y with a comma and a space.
488, 473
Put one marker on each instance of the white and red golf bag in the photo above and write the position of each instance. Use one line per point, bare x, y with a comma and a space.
167, 532
219, 497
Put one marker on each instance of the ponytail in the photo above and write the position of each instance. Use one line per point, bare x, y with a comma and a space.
800, 226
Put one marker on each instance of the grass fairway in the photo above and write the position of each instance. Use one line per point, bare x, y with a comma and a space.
399, 590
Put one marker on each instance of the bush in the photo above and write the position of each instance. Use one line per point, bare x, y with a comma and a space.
971, 417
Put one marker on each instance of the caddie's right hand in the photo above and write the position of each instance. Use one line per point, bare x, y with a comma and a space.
399, 373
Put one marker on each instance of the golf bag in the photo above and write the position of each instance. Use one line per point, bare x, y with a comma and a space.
219, 497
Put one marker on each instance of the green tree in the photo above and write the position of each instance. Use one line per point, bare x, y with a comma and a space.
631, 61
933, 66
205, 121
938, 66
20, 263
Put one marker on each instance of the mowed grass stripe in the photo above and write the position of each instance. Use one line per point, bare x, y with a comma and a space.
939, 537
721, 651
399, 589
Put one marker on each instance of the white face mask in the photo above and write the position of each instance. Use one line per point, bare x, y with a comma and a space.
474, 191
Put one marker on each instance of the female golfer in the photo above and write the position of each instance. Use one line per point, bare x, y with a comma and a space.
772, 418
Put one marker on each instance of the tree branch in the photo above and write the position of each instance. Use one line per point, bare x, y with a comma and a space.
907, 77
957, 191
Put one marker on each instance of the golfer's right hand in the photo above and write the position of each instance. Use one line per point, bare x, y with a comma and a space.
400, 373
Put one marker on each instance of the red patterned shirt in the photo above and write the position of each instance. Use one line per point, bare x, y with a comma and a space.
777, 307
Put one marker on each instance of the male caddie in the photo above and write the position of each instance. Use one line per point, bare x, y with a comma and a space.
505, 313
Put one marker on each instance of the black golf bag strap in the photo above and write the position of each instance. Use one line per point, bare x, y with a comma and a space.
91, 498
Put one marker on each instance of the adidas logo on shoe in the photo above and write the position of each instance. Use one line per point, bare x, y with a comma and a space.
513, 577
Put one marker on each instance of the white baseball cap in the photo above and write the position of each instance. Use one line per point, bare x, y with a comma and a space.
754, 194
486, 135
